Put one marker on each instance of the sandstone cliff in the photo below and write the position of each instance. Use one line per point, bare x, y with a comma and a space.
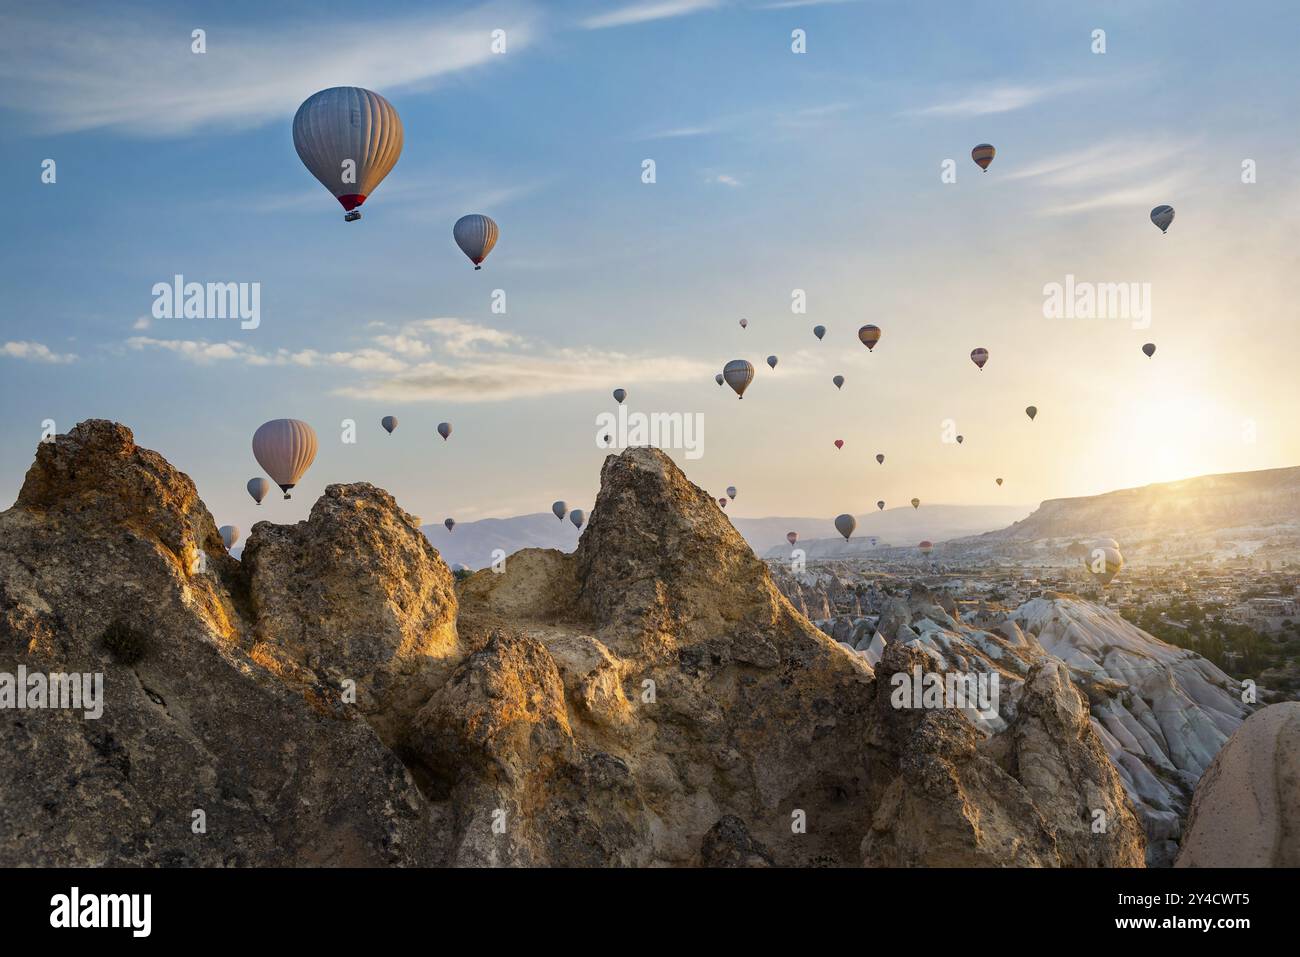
651, 699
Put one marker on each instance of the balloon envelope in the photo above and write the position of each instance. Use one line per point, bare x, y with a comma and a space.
881, 505
1163, 216
444, 429
560, 509
349, 139
839, 381
1149, 349
258, 487
771, 361
285, 448
999, 481
880, 458
389, 422
839, 443
1104, 563
983, 155
1031, 411
845, 524
916, 503
819, 331
926, 546
869, 335
739, 374
620, 395
475, 234
577, 517
744, 323
722, 503
792, 537
719, 378
731, 492
229, 535
961, 439
979, 357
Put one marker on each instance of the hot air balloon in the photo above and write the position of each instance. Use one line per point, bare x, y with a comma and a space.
1104, 563
560, 509
285, 449
1149, 349
444, 429
819, 331
845, 524
839, 443
983, 155
349, 139
744, 323
389, 422
450, 523
792, 537
1163, 216
999, 481
880, 458
1031, 411
577, 517
881, 505
771, 362
839, 381
979, 357
258, 487
916, 503
925, 547
475, 234
961, 439
620, 395
722, 503
229, 535
739, 374
731, 492
869, 335
719, 378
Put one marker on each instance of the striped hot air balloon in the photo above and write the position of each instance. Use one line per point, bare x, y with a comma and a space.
979, 356
349, 139
1163, 216
739, 373
983, 155
869, 335
475, 234
285, 448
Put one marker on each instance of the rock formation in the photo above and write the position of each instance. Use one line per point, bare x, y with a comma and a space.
1246, 812
651, 699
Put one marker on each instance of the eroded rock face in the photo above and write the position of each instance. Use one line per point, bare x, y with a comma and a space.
1246, 811
193, 731
651, 700
355, 593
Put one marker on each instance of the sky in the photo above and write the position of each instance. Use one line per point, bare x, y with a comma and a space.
840, 176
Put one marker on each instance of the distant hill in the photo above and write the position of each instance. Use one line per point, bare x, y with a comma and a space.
1237, 514
472, 543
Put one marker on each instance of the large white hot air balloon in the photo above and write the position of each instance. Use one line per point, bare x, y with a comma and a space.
285, 448
475, 234
738, 374
349, 139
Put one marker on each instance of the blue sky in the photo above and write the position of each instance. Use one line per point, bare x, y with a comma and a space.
776, 171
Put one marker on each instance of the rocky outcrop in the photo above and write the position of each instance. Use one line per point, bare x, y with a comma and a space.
1246, 812
356, 599
110, 564
650, 700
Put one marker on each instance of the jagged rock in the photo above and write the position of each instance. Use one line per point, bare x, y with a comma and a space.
961, 800
1246, 811
729, 844
105, 532
355, 593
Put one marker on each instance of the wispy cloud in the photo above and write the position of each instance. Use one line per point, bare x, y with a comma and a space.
1111, 174
35, 352
645, 12
725, 179
997, 99
140, 77
473, 363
